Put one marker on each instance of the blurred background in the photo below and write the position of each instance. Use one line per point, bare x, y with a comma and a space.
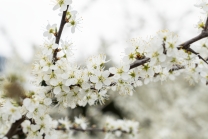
168, 110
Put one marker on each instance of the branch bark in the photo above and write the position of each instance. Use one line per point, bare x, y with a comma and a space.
187, 44
202, 35
139, 62
13, 128
58, 36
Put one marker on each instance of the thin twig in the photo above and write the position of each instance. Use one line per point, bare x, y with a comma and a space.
206, 25
139, 62
164, 48
202, 35
58, 36
187, 44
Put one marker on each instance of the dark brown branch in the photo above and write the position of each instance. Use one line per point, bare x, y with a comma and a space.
186, 44
164, 48
13, 128
202, 35
206, 25
192, 51
58, 35
200, 57
139, 62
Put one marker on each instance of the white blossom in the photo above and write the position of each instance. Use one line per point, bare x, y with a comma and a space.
62, 4
100, 79
50, 30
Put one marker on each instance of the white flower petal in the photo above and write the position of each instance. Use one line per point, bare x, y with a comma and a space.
26, 102
47, 101
162, 58
126, 68
57, 90
72, 29
56, 7
94, 79
107, 82
125, 76
98, 85
106, 73
112, 70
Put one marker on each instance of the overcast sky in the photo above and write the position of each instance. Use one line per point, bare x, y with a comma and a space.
22, 23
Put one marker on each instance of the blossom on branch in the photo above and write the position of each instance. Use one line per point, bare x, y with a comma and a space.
50, 31
62, 4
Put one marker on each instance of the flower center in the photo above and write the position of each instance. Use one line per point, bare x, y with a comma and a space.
72, 22
60, 2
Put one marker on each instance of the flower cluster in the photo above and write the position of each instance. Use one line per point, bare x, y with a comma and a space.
121, 126
57, 81
70, 18
61, 82
52, 129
